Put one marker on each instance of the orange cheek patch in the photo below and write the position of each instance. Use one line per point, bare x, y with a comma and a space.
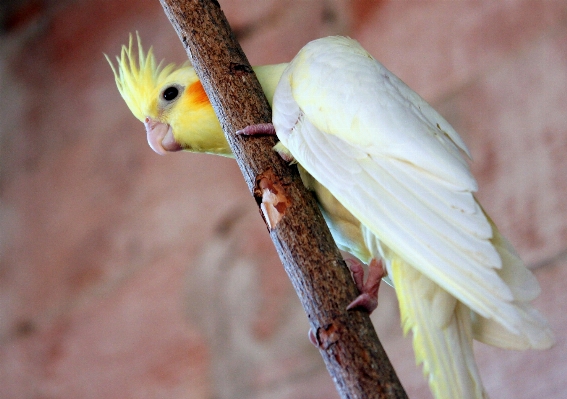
197, 94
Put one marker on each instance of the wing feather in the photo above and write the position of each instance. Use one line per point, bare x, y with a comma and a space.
347, 93
424, 241
394, 163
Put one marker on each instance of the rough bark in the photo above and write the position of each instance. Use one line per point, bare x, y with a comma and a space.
347, 341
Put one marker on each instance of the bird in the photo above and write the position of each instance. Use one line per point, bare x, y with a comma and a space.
392, 179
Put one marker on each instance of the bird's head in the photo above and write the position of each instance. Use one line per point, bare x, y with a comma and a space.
170, 101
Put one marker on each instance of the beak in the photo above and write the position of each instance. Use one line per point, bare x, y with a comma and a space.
160, 137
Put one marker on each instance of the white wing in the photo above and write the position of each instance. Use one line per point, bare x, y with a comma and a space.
396, 165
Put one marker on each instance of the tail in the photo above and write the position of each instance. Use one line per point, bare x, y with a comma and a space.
442, 333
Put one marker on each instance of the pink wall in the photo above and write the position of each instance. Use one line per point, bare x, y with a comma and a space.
128, 275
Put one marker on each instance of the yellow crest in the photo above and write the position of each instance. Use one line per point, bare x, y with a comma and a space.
139, 80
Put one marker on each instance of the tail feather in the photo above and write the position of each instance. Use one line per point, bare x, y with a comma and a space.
442, 344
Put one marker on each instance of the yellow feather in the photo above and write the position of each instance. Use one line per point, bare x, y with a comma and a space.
443, 347
138, 78
140, 81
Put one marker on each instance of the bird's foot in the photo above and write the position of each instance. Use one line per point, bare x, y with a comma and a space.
258, 129
267, 129
368, 299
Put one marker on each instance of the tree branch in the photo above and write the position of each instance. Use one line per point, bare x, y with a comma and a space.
347, 341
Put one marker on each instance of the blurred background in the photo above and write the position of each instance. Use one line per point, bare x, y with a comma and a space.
124, 274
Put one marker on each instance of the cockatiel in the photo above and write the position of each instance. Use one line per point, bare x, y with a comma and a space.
393, 186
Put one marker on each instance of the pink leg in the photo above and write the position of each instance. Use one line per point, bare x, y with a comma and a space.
258, 129
368, 298
264, 129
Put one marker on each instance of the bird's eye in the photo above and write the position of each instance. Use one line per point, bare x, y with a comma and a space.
170, 93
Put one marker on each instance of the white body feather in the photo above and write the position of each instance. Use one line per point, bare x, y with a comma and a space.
392, 183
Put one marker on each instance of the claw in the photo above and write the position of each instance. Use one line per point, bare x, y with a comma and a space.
258, 129
368, 298
313, 338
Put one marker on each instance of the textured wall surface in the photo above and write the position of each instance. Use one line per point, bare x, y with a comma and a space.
128, 275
